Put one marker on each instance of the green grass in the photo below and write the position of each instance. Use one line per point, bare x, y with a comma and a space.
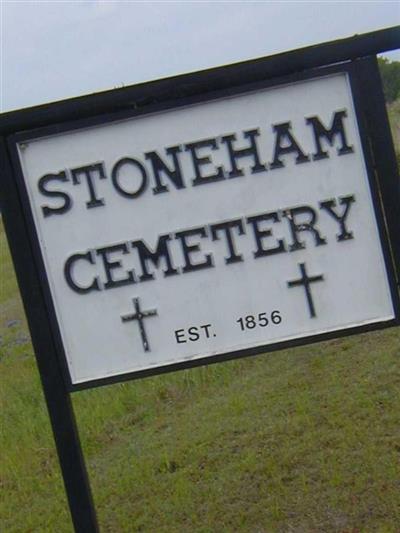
300, 440
304, 440
394, 119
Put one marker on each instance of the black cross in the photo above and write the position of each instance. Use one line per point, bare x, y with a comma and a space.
139, 315
306, 281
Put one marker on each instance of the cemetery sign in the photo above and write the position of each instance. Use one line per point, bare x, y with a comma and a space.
227, 225
200, 218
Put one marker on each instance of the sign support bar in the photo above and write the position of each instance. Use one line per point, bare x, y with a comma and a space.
167, 89
368, 81
57, 397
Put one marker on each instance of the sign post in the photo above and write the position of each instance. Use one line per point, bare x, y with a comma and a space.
56, 394
199, 219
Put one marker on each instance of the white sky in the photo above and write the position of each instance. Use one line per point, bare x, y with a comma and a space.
51, 50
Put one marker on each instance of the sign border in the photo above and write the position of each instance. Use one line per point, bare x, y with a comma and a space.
375, 179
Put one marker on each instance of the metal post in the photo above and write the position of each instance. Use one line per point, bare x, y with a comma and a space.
57, 396
368, 83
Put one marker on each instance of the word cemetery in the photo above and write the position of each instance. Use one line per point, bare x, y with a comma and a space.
109, 260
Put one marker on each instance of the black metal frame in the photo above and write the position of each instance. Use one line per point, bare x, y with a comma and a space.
350, 56
349, 68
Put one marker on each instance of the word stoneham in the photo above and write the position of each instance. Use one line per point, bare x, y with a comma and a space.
200, 153
237, 223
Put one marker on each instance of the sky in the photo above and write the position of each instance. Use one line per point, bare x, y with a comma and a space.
52, 50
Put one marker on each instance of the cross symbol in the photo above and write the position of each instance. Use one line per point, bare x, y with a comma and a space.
139, 315
306, 281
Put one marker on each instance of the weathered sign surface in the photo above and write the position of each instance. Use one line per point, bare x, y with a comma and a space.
215, 227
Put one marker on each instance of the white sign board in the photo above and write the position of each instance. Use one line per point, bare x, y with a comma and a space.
208, 229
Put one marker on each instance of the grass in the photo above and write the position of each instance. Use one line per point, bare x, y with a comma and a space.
300, 440
394, 118
304, 440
